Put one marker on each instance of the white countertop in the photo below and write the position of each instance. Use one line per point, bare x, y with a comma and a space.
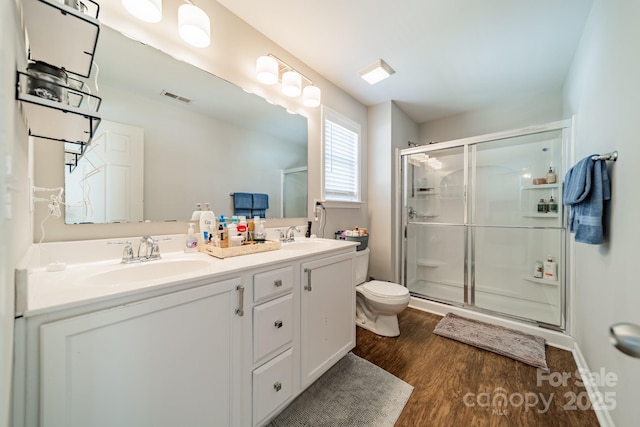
40, 291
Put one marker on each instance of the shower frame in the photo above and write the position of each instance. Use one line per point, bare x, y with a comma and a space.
566, 128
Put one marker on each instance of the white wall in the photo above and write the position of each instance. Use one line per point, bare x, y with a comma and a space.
389, 129
521, 112
15, 222
603, 90
231, 56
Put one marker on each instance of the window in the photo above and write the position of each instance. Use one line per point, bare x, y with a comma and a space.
341, 138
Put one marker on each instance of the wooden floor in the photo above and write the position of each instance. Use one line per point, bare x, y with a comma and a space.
459, 385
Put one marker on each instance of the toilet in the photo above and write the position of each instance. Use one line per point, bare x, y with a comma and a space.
378, 303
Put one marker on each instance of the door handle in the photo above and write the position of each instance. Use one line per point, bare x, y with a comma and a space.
308, 286
240, 309
278, 324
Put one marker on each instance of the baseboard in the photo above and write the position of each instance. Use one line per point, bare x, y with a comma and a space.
603, 414
553, 338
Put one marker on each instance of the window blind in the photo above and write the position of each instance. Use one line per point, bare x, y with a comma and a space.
341, 154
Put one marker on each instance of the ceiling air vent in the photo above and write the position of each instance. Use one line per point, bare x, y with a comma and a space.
176, 97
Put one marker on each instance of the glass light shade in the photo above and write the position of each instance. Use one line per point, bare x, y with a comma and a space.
311, 96
194, 26
267, 70
145, 10
291, 83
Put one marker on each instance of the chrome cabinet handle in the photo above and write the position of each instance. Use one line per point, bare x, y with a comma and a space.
278, 324
240, 309
308, 286
277, 283
277, 386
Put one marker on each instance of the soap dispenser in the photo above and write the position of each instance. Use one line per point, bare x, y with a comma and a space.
191, 242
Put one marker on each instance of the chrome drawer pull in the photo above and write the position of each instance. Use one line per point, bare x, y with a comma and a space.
278, 324
240, 309
277, 386
308, 286
277, 283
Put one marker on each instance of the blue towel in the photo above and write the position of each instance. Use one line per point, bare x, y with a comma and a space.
242, 203
259, 212
260, 201
585, 187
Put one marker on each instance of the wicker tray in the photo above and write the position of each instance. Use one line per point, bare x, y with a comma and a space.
246, 249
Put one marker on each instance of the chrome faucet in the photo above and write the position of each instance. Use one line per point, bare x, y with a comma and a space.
289, 235
148, 250
151, 249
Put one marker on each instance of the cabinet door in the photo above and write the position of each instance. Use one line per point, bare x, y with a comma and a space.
165, 361
328, 314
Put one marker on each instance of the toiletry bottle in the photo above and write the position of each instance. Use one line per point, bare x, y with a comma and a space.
232, 231
207, 223
243, 228
551, 176
308, 233
541, 206
553, 205
195, 216
537, 270
191, 241
550, 269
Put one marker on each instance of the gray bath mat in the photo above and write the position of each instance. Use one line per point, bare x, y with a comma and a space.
354, 392
517, 345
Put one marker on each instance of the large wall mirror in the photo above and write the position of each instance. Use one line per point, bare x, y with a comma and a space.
173, 135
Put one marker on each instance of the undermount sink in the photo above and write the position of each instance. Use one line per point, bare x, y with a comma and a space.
306, 245
150, 270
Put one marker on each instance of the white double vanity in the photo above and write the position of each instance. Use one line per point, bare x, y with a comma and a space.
188, 340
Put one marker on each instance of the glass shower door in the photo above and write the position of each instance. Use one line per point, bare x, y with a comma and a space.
435, 213
510, 234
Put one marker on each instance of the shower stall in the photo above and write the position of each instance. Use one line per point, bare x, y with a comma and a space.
483, 226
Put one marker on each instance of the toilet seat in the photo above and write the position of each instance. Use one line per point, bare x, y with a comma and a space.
387, 290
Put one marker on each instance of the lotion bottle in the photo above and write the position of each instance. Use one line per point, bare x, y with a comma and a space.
191, 242
207, 223
550, 269
551, 176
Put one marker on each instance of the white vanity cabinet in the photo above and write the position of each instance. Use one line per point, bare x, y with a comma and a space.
164, 361
273, 336
327, 314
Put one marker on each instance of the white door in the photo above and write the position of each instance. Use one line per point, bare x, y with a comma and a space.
328, 314
107, 185
163, 362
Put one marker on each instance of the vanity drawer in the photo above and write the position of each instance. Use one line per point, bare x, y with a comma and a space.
272, 283
272, 326
272, 385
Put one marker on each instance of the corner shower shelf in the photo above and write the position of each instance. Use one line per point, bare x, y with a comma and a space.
540, 186
541, 281
429, 263
540, 215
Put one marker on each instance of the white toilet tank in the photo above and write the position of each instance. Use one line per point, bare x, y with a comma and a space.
362, 266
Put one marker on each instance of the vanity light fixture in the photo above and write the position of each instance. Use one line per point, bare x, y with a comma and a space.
193, 25
267, 70
270, 69
145, 10
376, 72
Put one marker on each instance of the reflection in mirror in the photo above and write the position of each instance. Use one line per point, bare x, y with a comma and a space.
173, 135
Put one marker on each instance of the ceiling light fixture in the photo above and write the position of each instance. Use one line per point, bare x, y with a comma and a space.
270, 69
376, 72
145, 10
194, 26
